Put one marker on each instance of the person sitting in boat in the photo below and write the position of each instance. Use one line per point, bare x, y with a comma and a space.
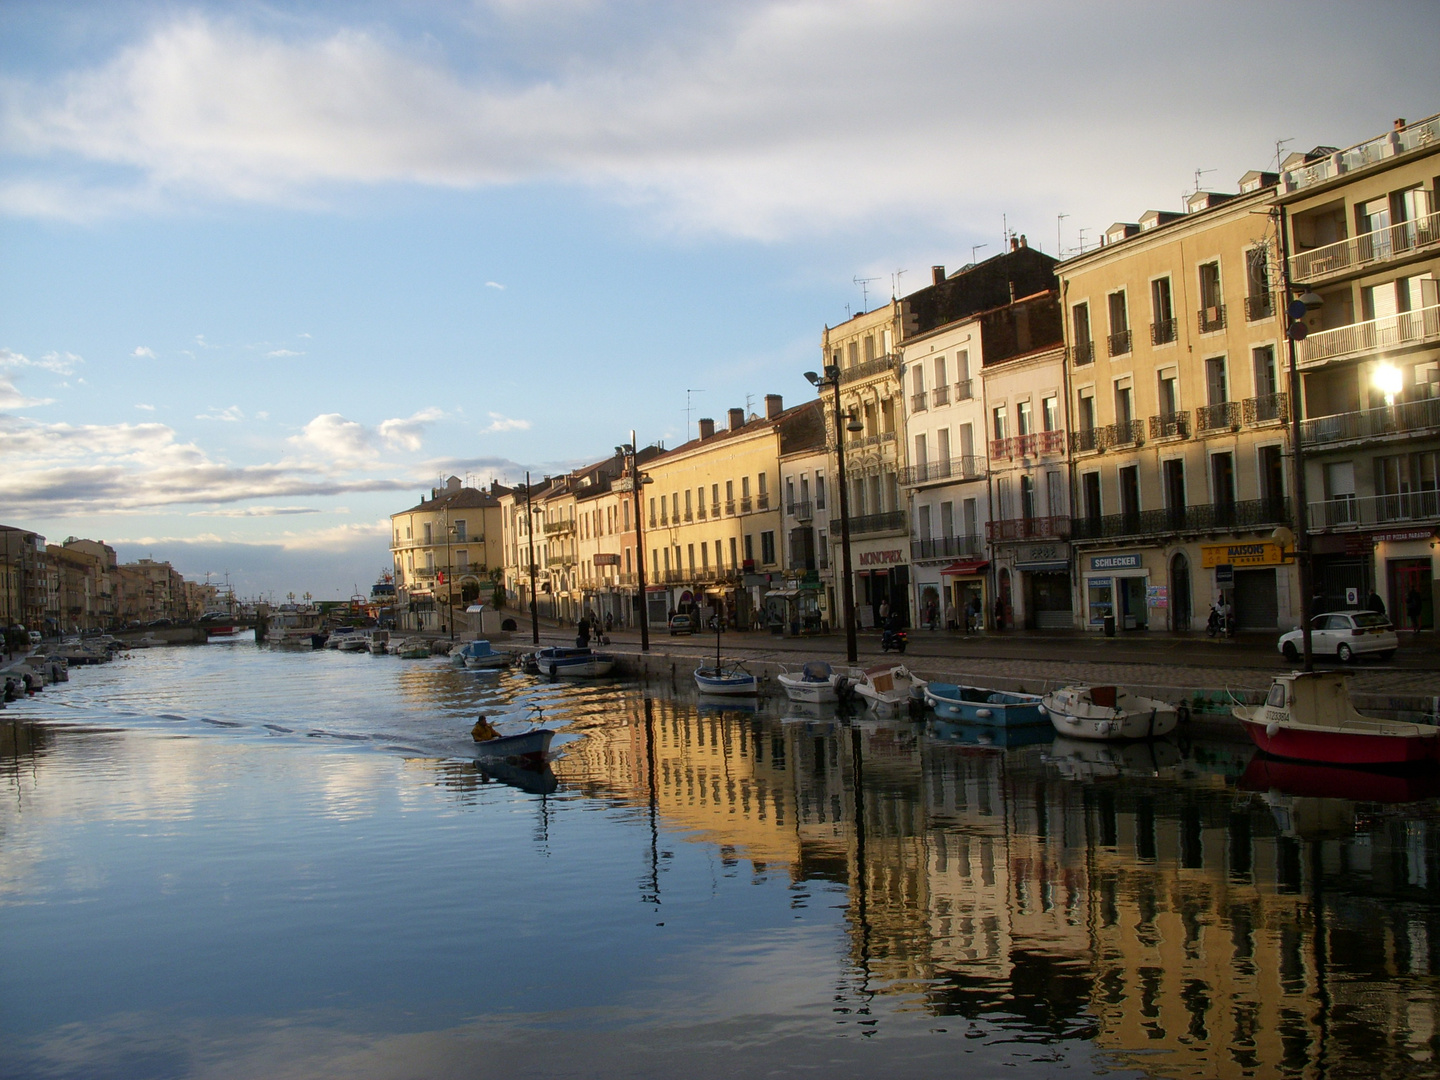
483, 731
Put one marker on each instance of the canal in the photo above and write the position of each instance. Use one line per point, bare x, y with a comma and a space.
227, 861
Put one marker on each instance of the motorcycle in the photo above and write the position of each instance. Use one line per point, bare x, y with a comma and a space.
893, 639
1219, 623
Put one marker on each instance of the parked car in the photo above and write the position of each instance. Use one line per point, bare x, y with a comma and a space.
681, 624
1344, 635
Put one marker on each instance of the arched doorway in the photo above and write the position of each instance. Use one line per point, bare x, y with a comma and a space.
1180, 592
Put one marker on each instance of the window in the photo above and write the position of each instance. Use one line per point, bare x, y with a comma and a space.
920, 459
704, 556
667, 559
1169, 392
1001, 425
460, 532
690, 556
652, 511
1087, 409
917, 379
767, 548
720, 555
427, 532
1083, 350
819, 490
940, 379
1222, 474
1257, 284
967, 442
1266, 383
763, 479
947, 519
688, 509
1212, 308
942, 447
790, 494
749, 547
1050, 413
869, 348
1023, 422
715, 498
1124, 400
1215, 385
969, 512
1027, 497
1162, 330
1090, 487
1055, 492
1119, 324
1130, 495
924, 522
462, 560
744, 487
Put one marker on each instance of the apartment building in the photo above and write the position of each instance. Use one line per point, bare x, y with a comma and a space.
23, 582
1362, 230
1179, 413
443, 550
808, 597
521, 509
713, 513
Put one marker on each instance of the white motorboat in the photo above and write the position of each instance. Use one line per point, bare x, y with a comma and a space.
378, 642
479, 655
813, 683
1108, 712
340, 634
886, 688
354, 643
566, 663
412, 649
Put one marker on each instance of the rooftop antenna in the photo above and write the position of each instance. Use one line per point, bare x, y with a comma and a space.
974, 248
688, 410
1279, 148
1082, 241
749, 403
1199, 173
864, 283
895, 283
1004, 232
1059, 246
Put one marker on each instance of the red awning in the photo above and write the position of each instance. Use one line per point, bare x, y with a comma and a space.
966, 566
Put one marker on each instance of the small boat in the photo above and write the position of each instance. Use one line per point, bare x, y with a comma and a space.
887, 688
729, 678
341, 634
1308, 716
978, 705
412, 649
815, 683
527, 748
1108, 712
378, 642
479, 654
573, 663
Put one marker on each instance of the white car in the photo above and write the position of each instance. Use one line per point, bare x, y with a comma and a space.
1344, 635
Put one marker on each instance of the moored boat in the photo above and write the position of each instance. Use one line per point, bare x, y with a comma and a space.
378, 642
1308, 716
886, 688
1108, 712
341, 634
813, 683
412, 649
479, 654
980, 705
728, 678
573, 663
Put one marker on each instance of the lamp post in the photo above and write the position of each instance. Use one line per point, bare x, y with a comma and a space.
638, 481
449, 572
1296, 330
831, 381
530, 531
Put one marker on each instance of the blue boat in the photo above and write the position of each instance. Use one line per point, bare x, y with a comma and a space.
978, 705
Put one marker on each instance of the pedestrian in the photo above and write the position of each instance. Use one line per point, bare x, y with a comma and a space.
1413, 603
582, 636
609, 622
1375, 604
999, 613
884, 612
972, 613
949, 614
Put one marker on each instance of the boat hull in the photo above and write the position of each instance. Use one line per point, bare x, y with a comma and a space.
1326, 747
726, 684
808, 690
529, 747
1073, 713
1298, 778
977, 705
573, 663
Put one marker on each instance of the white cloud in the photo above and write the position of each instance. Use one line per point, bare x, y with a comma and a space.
142, 350
146, 408
504, 423
256, 511
339, 439
405, 434
494, 285
229, 415
11, 398
283, 353
337, 536
738, 118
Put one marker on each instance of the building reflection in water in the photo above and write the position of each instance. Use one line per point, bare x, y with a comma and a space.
1187, 919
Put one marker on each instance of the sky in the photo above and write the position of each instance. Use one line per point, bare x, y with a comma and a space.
270, 271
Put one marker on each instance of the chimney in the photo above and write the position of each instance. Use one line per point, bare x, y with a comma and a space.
1023, 242
707, 428
937, 274
774, 406
1400, 124
1012, 292
1014, 244
737, 419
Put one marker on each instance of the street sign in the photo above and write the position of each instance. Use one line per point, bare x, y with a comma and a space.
1298, 331
1296, 310
1225, 575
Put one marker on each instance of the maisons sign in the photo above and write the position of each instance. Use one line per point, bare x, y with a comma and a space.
1261, 554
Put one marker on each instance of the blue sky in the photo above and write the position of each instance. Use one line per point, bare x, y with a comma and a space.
271, 270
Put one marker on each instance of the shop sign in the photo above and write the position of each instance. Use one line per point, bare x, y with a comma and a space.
1115, 562
604, 559
881, 558
1399, 537
1261, 554
1043, 557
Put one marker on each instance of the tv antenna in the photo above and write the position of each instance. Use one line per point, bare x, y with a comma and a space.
895, 282
688, 410
1059, 247
864, 283
1279, 146
1199, 173
1082, 241
974, 248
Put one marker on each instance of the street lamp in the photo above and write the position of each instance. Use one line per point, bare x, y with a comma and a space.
530, 531
637, 481
831, 381
449, 572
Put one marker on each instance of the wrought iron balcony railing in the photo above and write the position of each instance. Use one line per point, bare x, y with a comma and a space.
964, 390
917, 402
801, 511
1174, 425
1222, 416
1211, 319
564, 525
1031, 528
1162, 331
1224, 517
934, 472
1349, 512
1119, 343
878, 366
889, 521
1082, 353
1259, 306
942, 395
1267, 408
946, 547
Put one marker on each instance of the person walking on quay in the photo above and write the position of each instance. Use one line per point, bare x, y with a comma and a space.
884, 613
1413, 603
999, 613
582, 633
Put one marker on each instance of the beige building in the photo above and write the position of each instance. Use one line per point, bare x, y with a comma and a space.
1179, 409
24, 588
444, 550
1362, 227
713, 514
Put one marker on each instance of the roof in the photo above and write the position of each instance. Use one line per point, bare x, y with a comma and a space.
788, 418
464, 499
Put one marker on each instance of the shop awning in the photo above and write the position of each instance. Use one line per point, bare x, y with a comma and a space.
787, 593
962, 567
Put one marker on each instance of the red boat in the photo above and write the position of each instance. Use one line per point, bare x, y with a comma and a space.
1308, 717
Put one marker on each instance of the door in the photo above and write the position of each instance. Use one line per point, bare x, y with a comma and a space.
1405, 575
1132, 603
1256, 607
1174, 470
1180, 592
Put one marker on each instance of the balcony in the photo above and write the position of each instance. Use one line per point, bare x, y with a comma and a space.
700, 511
1392, 144
1367, 250
553, 561
1082, 353
801, 511
422, 573
1401, 419
1163, 332
1348, 512
964, 390
1418, 327
675, 577
688, 515
1223, 416
934, 472
1266, 409
890, 521
946, 547
1259, 306
1227, 517
715, 510
1175, 425
942, 395
729, 507
917, 402
1211, 319
1031, 528
1119, 343
565, 525
745, 505
880, 365
1125, 433
762, 501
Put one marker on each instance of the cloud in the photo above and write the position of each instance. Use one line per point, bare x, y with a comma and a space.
59, 470
256, 511
146, 408
405, 434
283, 353
504, 423
142, 350
342, 537
494, 285
230, 415
339, 439
731, 118
11, 363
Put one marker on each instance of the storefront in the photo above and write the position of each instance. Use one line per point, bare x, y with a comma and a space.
1249, 578
1117, 584
1046, 594
882, 582
965, 591
1408, 557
